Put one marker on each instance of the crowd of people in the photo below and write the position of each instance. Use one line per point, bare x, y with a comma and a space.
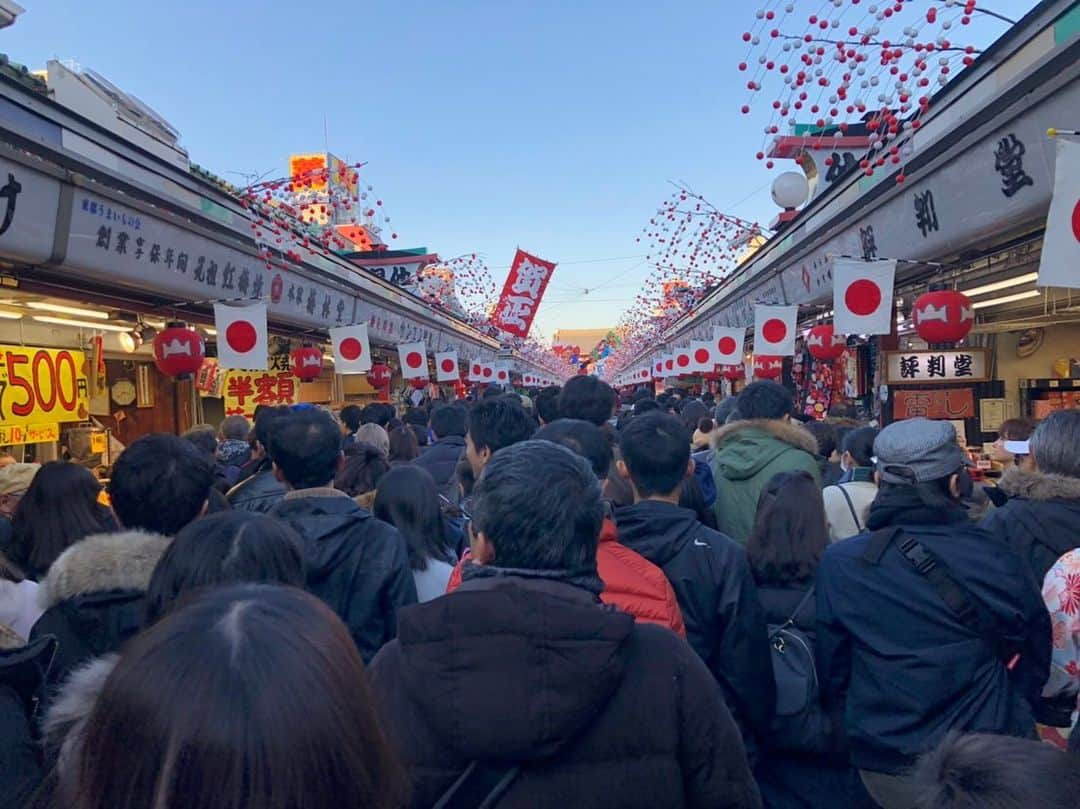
563, 600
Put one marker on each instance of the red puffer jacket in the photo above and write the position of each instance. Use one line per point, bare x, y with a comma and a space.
631, 582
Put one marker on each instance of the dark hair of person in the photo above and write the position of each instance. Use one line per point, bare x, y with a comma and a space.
416, 416
350, 417
691, 411
230, 547
463, 474
790, 533
582, 438
824, 434
58, 509
843, 410
765, 400
235, 428
1016, 429
706, 425
9, 571
553, 526
588, 398
491, 392
860, 444
547, 403
377, 413
692, 497
497, 423
266, 421
984, 771
409, 500
448, 420
656, 450
403, 444
727, 410
204, 437
306, 448
364, 467
248, 697
160, 483
644, 406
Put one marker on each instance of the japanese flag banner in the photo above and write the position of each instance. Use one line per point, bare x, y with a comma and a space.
522, 293
863, 296
502, 373
487, 373
774, 330
728, 345
242, 337
476, 371
413, 357
658, 367
352, 349
701, 356
446, 366
1060, 264
669, 366
683, 361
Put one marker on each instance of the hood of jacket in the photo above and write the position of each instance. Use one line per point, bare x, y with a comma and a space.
64, 725
658, 531
233, 452
102, 562
743, 448
1038, 486
327, 520
509, 668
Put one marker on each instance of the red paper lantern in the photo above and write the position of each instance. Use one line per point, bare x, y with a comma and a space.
767, 367
379, 376
178, 350
306, 362
943, 316
418, 383
733, 373
825, 344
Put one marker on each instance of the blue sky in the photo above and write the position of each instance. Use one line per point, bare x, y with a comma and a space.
489, 124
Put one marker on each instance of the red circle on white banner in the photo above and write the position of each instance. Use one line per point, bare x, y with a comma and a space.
659, 367
670, 364
448, 366
487, 372
1076, 221
863, 297
726, 345
701, 356
683, 360
241, 336
477, 370
502, 375
774, 330
350, 349
414, 359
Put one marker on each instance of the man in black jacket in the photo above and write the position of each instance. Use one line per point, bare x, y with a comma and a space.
358, 565
262, 490
725, 623
441, 458
926, 624
522, 667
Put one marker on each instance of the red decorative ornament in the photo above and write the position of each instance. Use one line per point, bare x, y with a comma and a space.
379, 376
767, 366
178, 350
943, 316
825, 344
418, 383
734, 373
306, 363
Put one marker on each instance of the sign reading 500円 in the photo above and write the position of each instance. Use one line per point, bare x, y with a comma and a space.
42, 385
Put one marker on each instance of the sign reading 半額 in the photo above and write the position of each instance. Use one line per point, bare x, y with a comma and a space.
522, 293
955, 365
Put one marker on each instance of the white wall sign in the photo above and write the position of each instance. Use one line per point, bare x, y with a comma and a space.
28, 204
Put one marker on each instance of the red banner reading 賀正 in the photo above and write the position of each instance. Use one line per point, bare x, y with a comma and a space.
522, 293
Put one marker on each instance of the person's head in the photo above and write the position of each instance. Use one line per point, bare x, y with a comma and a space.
364, 467
582, 438
234, 428
408, 499
765, 400
790, 533
1012, 431
692, 413
655, 455
350, 417
517, 523
306, 449
416, 416
60, 508
15, 479
547, 404
984, 771
494, 424
643, 406
160, 483
588, 398
727, 411
1055, 444
374, 435
858, 448
377, 413
825, 435
204, 437
922, 454
247, 697
491, 392
449, 420
403, 444
266, 421
230, 547
843, 410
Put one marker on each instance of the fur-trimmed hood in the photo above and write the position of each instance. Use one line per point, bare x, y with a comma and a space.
786, 431
744, 448
102, 562
64, 726
1017, 482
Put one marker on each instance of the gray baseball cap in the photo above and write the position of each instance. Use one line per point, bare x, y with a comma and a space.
917, 450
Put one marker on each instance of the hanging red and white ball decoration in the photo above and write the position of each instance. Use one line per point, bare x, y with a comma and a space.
825, 344
768, 367
943, 316
379, 375
306, 363
178, 350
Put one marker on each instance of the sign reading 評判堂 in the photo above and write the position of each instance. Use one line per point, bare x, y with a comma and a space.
956, 365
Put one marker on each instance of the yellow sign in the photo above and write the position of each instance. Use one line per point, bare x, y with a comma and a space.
42, 386
99, 443
11, 434
246, 390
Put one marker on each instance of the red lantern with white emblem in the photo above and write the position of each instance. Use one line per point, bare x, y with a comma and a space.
178, 350
418, 384
943, 316
733, 373
306, 362
767, 367
825, 344
379, 376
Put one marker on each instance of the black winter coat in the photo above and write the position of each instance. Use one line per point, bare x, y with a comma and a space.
355, 563
909, 670
780, 603
597, 710
441, 459
712, 580
259, 493
22, 676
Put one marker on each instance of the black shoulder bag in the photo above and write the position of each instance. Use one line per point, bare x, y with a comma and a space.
479, 787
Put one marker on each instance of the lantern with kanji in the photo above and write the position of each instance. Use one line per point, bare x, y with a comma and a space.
379, 375
825, 344
178, 350
306, 362
943, 316
767, 367
418, 383
733, 373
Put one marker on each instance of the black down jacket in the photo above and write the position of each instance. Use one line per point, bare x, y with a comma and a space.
441, 460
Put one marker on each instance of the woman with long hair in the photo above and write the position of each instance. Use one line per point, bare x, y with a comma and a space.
365, 465
404, 448
60, 508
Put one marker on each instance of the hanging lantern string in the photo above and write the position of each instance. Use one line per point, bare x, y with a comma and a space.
897, 260
862, 44
182, 304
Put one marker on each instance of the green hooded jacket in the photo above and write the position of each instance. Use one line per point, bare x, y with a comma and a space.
746, 455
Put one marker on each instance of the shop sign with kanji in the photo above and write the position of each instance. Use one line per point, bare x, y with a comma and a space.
955, 365
28, 205
522, 293
948, 403
246, 390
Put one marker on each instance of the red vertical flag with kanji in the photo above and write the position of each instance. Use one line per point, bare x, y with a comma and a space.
522, 293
